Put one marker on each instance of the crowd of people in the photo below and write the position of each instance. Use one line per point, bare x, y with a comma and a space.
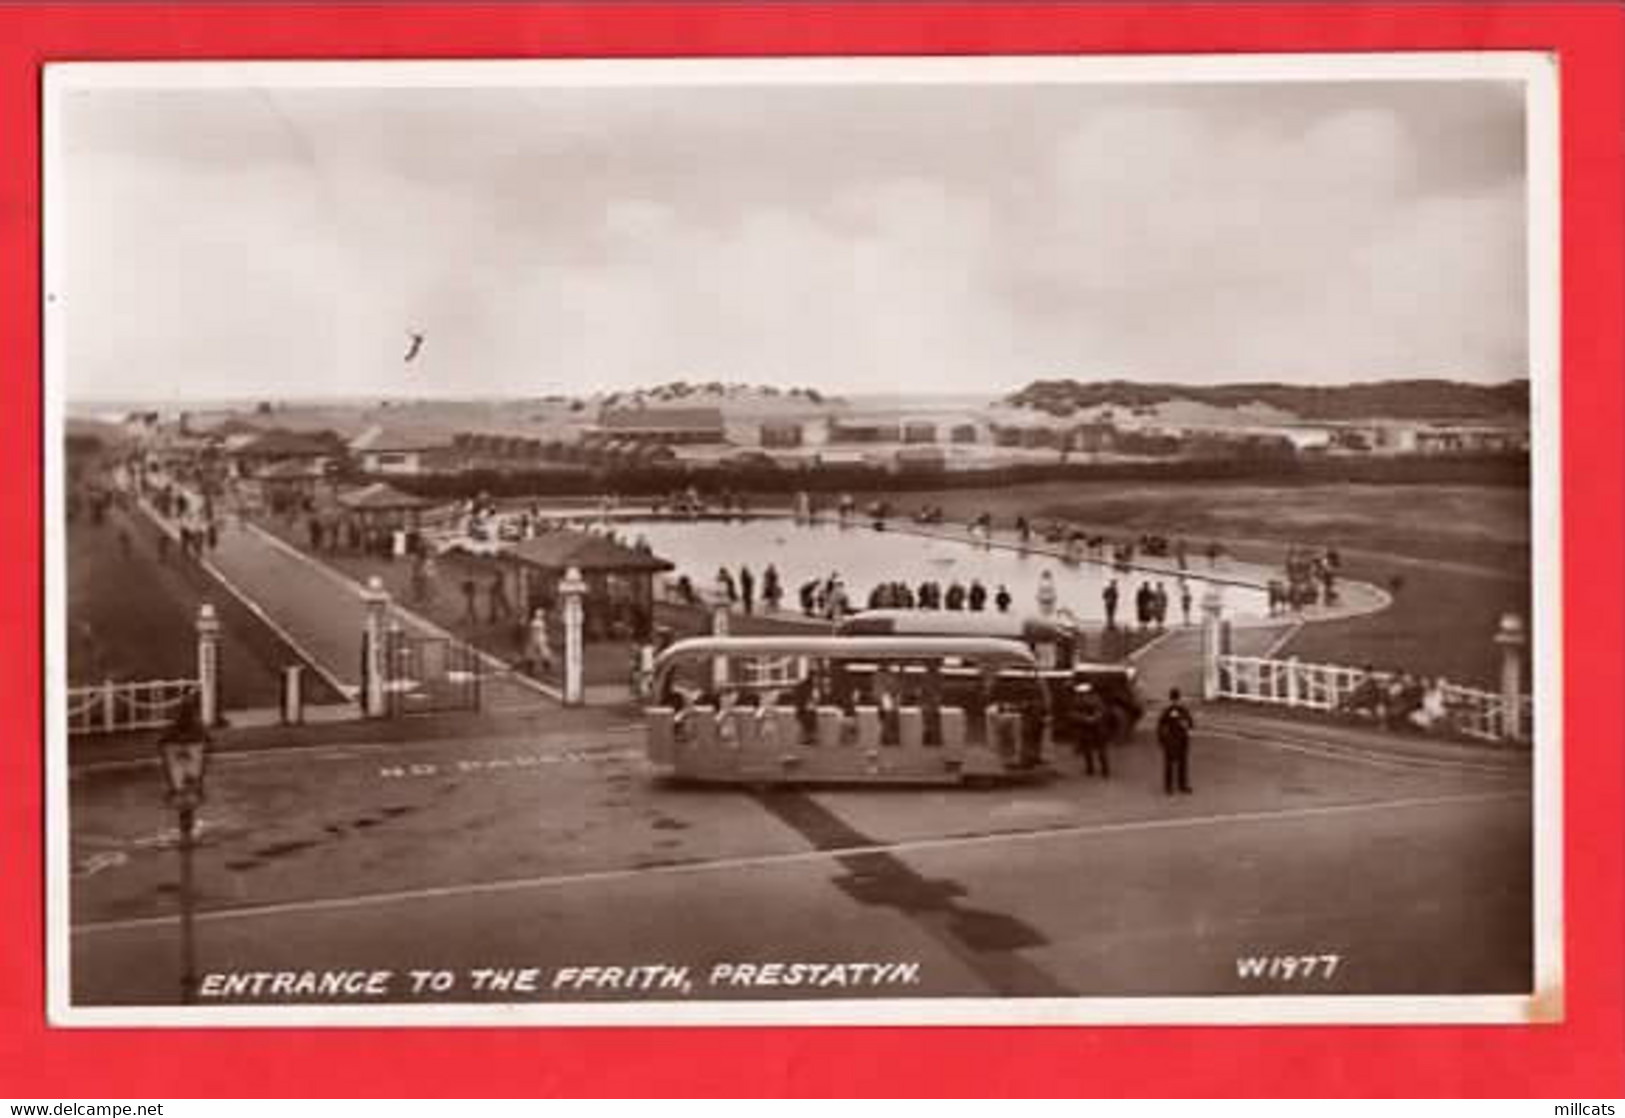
1151, 604
1400, 701
1310, 579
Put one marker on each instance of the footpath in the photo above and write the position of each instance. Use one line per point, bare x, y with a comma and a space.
320, 614
1175, 658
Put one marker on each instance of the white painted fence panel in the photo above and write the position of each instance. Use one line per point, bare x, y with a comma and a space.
111, 708
1331, 688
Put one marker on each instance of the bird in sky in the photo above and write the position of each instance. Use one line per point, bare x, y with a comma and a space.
416, 344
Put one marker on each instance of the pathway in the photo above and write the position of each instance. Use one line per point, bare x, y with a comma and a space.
1175, 659
320, 613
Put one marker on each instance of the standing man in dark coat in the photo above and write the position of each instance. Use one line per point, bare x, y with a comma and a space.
1109, 597
1092, 723
1174, 735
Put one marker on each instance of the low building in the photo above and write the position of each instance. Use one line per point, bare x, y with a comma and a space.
316, 450
851, 432
292, 483
620, 580
782, 435
380, 450
662, 426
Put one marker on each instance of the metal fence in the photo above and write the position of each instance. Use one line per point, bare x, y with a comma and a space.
1334, 689
111, 708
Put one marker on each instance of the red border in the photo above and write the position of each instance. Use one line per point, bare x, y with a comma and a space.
1584, 1058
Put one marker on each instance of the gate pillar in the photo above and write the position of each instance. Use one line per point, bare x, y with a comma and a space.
208, 664
573, 592
1212, 639
1512, 638
374, 673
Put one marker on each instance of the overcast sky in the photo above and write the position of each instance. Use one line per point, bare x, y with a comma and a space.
283, 242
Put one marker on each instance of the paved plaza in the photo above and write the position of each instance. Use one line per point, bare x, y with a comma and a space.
531, 847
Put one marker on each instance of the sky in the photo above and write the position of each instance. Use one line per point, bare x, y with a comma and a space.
283, 242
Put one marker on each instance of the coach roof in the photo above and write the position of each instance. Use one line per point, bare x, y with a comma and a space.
855, 648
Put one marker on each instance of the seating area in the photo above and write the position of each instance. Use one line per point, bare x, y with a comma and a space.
781, 743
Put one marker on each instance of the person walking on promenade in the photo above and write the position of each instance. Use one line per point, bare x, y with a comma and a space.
1108, 597
1185, 601
730, 591
747, 589
1159, 600
1092, 724
540, 650
1002, 599
772, 589
1174, 736
976, 596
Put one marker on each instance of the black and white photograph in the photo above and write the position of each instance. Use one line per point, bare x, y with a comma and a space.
936, 540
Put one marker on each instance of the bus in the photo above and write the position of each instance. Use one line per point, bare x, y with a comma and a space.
808, 709
1057, 644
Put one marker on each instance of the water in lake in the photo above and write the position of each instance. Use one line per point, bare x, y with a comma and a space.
863, 558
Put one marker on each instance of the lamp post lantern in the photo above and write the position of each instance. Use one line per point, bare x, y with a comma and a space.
183, 754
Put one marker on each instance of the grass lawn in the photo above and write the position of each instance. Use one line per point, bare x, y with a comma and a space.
1461, 553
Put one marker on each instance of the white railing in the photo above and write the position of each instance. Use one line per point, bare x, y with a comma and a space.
1332, 688
111, 708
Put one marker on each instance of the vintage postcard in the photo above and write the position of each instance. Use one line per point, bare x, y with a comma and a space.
977, 540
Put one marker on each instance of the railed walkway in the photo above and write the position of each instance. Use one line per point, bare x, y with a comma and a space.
320, 613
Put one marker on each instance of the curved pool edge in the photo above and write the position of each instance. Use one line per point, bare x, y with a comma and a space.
1377, 599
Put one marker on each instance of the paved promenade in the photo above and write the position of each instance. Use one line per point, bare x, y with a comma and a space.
319, 611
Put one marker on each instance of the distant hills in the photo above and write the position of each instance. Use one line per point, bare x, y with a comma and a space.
714, 393
1391, 399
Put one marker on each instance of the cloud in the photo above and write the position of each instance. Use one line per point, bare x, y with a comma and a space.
950, 238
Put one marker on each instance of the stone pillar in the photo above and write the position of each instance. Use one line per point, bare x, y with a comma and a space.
374, 637
573, 594
1212, 639
1512, 638
208, 664
293, 695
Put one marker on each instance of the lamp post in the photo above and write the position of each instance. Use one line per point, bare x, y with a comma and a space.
183, 753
